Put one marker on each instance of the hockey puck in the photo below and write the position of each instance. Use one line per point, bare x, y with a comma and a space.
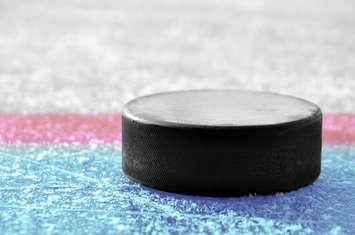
221, 142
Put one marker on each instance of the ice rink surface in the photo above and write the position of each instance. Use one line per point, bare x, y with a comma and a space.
92, 56
82, 190
61, 173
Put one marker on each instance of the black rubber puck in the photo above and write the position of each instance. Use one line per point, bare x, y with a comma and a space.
222, 142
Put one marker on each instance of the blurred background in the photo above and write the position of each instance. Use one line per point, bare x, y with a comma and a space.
92, 56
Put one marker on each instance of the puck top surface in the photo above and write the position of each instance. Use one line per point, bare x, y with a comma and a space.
218, 108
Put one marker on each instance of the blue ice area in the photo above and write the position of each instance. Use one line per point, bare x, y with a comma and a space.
81, 190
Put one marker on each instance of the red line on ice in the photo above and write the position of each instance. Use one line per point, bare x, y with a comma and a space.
60, 128
106, 128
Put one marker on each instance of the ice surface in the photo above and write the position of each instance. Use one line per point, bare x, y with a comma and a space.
93, 56
80, 189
